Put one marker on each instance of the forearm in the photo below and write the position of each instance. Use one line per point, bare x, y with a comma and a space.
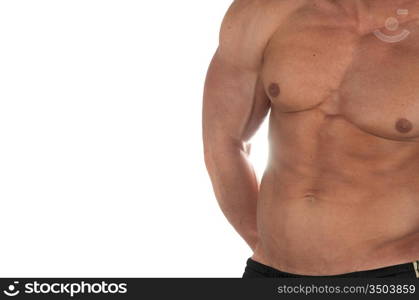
235, 186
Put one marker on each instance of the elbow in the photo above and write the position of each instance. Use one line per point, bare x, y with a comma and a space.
209, 154
219, 150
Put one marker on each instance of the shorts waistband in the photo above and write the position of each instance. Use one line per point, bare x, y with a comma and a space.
411, 267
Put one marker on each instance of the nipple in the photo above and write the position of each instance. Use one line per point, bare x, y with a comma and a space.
274, 90
404, 126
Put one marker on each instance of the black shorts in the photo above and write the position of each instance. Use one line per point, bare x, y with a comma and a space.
256, 269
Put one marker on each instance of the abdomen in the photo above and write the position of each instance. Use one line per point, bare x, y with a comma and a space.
332, 192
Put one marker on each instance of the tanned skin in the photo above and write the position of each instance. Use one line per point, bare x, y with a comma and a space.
340, 192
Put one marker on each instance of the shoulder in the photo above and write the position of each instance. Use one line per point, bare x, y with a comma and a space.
249, 24
249, 6
244, 15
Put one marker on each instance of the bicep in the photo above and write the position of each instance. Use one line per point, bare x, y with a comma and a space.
235, 103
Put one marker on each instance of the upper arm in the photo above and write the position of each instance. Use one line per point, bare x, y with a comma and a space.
235, 102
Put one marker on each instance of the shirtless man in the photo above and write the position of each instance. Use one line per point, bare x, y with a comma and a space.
340, 81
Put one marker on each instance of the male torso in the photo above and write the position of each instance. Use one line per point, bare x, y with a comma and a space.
341, 190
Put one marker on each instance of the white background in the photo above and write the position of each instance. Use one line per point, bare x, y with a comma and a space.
101, 164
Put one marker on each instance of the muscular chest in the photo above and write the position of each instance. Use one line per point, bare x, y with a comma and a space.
370, 82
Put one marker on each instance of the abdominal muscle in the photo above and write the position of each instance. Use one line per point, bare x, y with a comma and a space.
333, 214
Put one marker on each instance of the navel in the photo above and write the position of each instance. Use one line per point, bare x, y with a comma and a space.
274, 90
404, 126
311, 199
